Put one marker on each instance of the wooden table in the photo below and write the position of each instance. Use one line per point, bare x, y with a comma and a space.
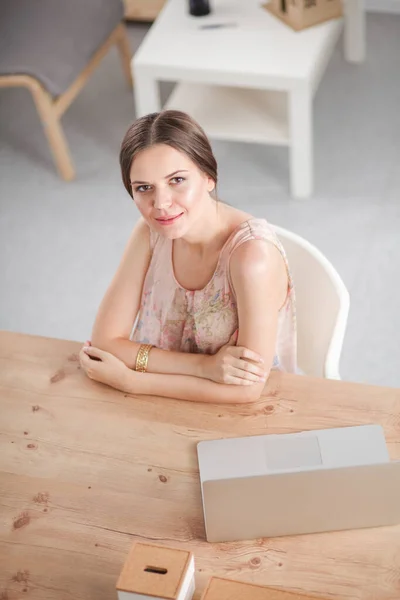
86, 470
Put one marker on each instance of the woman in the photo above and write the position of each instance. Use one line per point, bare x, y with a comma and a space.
205, 287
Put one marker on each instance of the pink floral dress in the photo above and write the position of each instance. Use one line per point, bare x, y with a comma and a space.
201, 321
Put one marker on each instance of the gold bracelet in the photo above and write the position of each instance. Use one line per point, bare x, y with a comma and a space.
142, 358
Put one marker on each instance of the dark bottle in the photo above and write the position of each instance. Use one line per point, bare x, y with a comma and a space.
199, 8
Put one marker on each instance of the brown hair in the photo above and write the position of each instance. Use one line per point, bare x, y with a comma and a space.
171, 127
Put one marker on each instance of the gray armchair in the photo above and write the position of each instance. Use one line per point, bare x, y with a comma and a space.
51, 47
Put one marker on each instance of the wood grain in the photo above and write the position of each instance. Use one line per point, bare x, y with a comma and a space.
85, 470
229, 589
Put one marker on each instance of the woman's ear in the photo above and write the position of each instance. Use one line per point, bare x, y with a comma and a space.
210, 185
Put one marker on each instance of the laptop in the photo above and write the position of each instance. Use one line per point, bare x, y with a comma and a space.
308, 482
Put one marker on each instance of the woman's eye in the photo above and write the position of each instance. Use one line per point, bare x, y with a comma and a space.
177, 179
142, 188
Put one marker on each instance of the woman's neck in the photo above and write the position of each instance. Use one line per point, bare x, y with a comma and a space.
208, 231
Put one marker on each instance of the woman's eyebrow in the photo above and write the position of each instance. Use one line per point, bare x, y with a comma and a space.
166, 177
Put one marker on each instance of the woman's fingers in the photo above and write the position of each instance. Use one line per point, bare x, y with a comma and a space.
249, 367
248, 375
85, 361
90, 361
231, 380
92, 368
241, 352
95, 353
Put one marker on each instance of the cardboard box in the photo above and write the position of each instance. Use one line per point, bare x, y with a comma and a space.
226, 589
300, 14
158, 572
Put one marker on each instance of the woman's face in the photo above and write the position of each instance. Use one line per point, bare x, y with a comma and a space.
169, 190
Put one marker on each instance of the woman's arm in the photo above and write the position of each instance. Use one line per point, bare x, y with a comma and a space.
184, 387
108, 369
260, 282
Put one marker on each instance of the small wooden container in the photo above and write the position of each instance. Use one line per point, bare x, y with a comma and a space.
157, 572
300, 14
227, 589
142, 10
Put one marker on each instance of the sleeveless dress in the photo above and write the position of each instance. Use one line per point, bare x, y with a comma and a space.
201, 321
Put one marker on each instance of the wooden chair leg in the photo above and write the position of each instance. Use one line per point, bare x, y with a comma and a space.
125, 53
54, 133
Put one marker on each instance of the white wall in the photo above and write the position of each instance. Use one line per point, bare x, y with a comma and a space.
387, 6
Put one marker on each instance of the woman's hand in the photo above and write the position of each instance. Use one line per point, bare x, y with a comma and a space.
235, 365
105, 368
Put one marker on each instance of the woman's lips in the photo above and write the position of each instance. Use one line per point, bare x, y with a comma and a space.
168, 220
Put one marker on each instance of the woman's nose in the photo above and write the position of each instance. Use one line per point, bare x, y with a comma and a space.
162, 199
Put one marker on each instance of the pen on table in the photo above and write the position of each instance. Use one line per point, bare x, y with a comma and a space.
217, 25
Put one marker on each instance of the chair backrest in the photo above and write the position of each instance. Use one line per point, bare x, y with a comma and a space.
322, 302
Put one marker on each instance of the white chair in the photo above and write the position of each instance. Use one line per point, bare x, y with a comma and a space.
322, 302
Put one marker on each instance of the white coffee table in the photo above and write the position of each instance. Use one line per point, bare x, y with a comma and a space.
251, 82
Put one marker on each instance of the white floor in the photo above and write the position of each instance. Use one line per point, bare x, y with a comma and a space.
60, 243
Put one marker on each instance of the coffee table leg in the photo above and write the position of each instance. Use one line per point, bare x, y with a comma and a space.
146, 92
354, 30
301, 142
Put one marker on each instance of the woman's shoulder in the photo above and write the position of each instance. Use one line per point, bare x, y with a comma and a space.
245, 227
248, 253
142, 237
139, 238
254, 255
259, 261
146, 234
141, 229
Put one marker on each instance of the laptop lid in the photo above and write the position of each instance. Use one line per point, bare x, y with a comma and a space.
277, 485
262, 454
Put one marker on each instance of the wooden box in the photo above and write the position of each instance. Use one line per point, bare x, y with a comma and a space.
219, 588
300, 14
142, 10
158, 572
